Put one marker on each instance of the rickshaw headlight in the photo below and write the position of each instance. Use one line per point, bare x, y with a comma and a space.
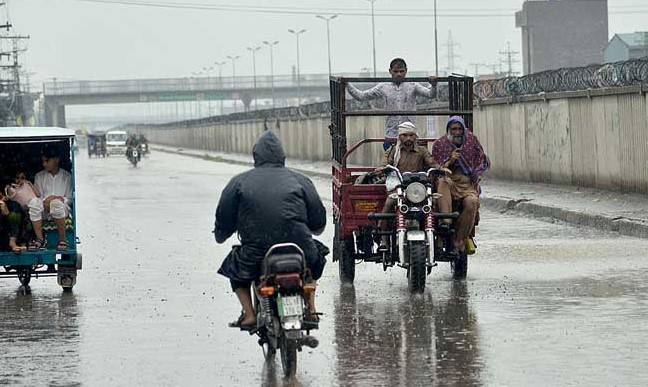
416, 192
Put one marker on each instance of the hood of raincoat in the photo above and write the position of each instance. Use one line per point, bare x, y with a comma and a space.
268, 151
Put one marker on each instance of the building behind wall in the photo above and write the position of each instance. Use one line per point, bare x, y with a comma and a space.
562, 33
627, 46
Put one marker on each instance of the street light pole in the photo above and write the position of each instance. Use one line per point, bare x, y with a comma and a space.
436, 41
220, 81
253, 50
328, 37
233, 59
297, 33
270, 46
209, 70
373, 34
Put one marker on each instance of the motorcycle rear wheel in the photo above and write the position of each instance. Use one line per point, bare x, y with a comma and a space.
288, 358
417, 270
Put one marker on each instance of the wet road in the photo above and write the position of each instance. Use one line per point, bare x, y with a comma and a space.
544, 304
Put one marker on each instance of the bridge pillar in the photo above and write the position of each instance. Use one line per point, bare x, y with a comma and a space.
54, 115
247, 101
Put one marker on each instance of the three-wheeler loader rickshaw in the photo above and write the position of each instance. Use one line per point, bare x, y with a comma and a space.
21, 147
416, 240
97, 144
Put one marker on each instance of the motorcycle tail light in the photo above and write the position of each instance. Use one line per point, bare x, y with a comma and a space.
289, 281
267, 291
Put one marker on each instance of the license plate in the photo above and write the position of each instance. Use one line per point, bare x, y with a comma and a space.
290, 306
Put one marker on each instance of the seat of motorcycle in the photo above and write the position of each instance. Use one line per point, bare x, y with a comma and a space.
283, 263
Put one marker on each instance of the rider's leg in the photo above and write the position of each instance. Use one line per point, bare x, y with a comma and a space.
36, 216
245, 298
383, 225
59, 213
445, 202
466, 221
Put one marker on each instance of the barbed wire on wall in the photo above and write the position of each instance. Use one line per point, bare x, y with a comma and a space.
626, 73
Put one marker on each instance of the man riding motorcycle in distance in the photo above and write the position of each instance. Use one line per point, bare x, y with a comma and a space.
407, 156
267, 205
460, 151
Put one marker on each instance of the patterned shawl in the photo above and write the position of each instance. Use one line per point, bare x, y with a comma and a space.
473, 161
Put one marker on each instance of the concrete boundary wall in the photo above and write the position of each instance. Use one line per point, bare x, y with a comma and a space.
586, 139
598, 141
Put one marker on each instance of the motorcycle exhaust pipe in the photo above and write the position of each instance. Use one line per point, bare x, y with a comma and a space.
401, 246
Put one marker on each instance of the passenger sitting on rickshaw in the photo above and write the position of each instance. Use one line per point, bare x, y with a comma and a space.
396, 95
21, 196
55, 187
460, 151
13, 225
407, 156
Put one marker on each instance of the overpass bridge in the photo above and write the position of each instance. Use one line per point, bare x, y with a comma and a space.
57, 95
310, 88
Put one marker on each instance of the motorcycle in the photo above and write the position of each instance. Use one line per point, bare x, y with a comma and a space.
133, 155
281, 296
416, 241
144, 149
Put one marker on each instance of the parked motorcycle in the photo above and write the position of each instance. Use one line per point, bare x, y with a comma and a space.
281, 296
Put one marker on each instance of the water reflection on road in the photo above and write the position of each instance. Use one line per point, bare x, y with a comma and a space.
428, 338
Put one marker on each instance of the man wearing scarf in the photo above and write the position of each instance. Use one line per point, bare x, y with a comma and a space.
460, 151
407, 156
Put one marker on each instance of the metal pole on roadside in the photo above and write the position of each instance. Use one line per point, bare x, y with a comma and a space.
233, 59
328, 38
220, 81
270, 47
436, 41
297, 33
253, 50
373, 34
209, 70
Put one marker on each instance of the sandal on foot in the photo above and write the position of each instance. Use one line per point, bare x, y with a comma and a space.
237, 323
37, 244
18, 249
62, 246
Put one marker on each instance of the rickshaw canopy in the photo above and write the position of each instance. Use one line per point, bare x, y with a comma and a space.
34, 133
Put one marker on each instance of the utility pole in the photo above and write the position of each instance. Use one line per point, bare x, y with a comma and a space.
451, 53
233, 59
270, 47
509, 58
297, 33
373, 33
253, 50
220, 81
328, 37
436, 41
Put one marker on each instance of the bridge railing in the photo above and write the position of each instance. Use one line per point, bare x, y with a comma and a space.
190, 84
626, 73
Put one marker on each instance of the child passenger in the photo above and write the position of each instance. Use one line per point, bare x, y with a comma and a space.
20, 196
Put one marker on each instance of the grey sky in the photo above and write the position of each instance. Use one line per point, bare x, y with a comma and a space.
79, 40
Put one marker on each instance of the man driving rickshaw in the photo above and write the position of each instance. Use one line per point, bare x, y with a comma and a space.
407, 156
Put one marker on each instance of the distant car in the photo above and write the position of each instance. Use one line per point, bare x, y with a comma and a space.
116, 142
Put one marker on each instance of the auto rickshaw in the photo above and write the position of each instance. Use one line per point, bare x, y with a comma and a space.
21, 147
416, 242
97, 144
